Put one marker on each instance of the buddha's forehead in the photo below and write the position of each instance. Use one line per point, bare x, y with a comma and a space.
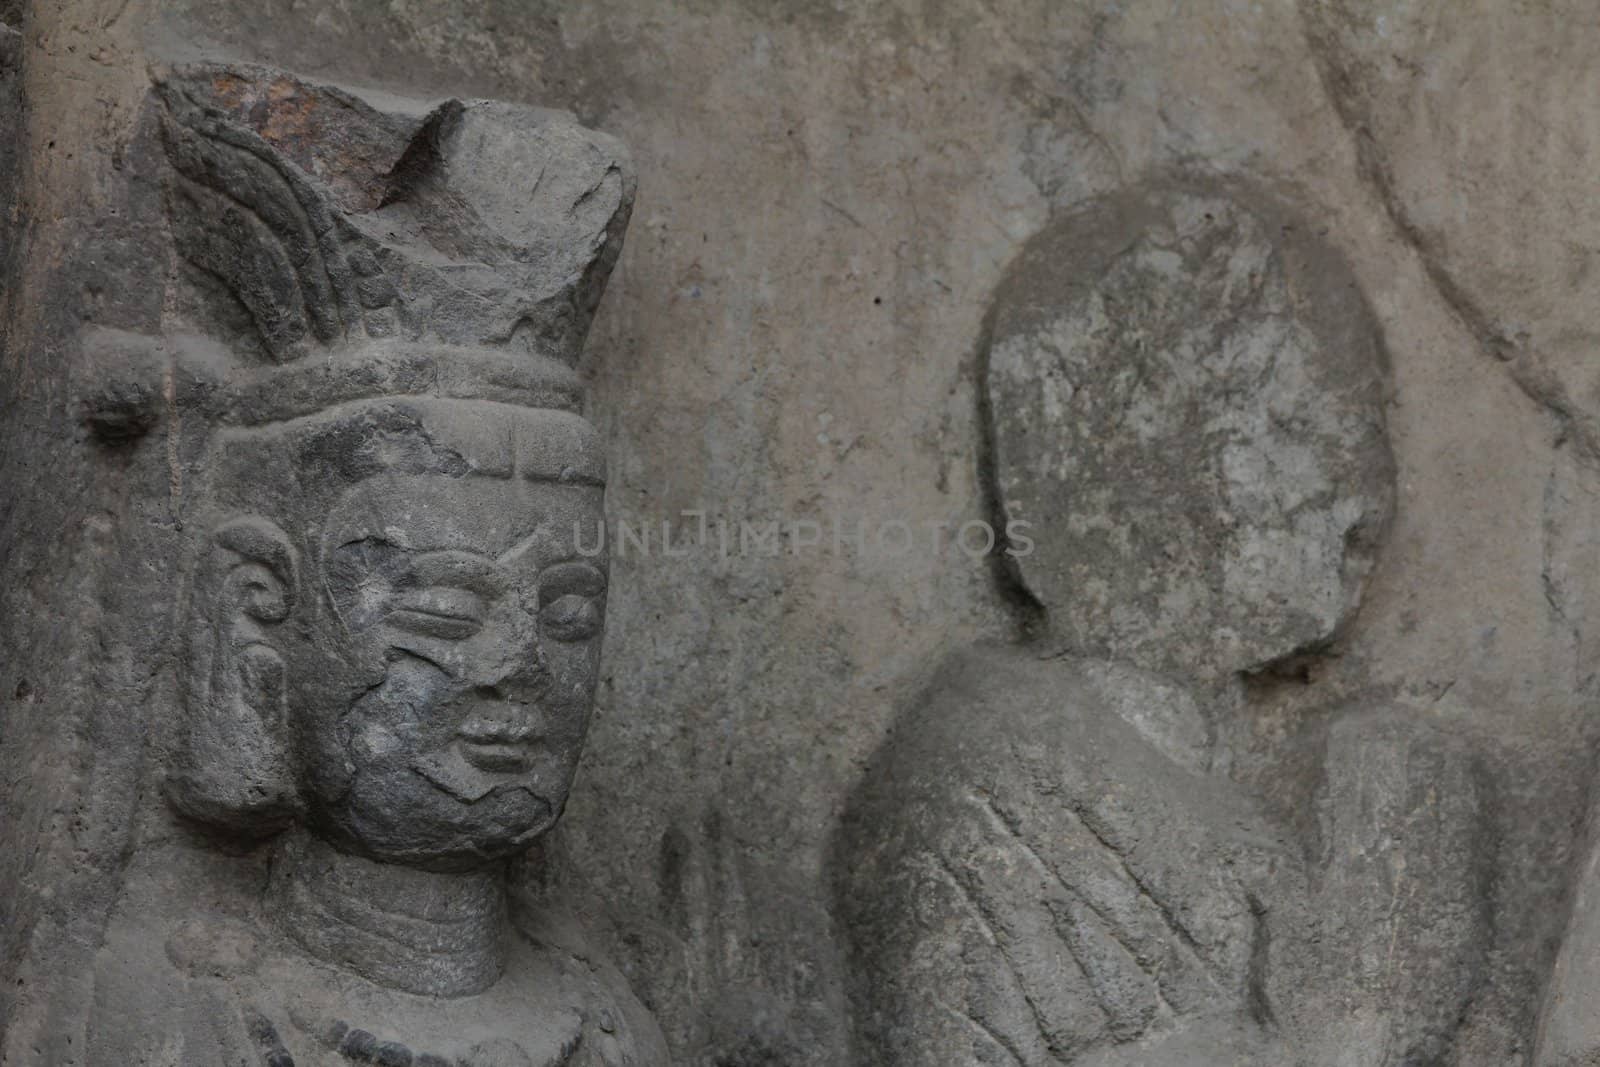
420, 473
424, 434
523, 521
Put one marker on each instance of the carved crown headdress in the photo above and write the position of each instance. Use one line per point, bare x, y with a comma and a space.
367, 245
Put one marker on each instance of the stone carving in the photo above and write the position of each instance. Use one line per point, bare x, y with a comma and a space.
392, 616
1188, 397
1568, 1034
1399, 947
1043, 865
1031, 881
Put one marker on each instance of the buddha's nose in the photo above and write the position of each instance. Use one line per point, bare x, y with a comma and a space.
517, 678
493, 718
510, 702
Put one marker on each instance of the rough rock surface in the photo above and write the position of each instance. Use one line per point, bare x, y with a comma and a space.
1456, 107
831, 193
1401, 861
1026, 880
1567, 1035
1185, 392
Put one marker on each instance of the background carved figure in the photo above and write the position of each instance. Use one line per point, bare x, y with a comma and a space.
1046, 863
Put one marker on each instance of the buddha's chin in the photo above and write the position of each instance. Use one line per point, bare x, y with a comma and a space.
441, 811
470, 772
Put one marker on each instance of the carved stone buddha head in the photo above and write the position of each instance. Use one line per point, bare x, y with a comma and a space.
401, 644
398, 586
388, 628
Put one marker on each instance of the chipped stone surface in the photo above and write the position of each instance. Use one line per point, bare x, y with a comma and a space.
1401, 854
1186, 396
1025, 876
1025, 879
831, 194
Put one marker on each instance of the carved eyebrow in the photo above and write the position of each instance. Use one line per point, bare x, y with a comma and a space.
466, 570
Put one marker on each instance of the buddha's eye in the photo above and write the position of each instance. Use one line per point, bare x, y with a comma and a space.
570, 618
445, 613
571, 596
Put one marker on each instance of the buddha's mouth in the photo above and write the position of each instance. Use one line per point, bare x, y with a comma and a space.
499, 746
497, 757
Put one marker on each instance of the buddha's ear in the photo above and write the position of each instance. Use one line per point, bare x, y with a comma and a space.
233, 768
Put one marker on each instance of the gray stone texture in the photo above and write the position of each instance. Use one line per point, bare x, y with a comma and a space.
373, 671
1402, 858
1567, 1035
1185, 397
1025, 878
831, 195
1040, 867
1424, 85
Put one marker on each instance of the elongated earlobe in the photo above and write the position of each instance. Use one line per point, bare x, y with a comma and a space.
232, 768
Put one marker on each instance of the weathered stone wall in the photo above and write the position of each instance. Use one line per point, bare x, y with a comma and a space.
829, 196
76, 250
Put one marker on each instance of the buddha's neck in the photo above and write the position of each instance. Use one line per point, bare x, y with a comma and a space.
422, 932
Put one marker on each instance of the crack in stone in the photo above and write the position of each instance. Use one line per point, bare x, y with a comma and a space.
1537, 382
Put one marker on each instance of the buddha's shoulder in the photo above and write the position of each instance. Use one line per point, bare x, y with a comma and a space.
1009, 749
993, 706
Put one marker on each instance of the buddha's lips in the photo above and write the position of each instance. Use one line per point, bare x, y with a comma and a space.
498, 746
479, 732
497, 756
